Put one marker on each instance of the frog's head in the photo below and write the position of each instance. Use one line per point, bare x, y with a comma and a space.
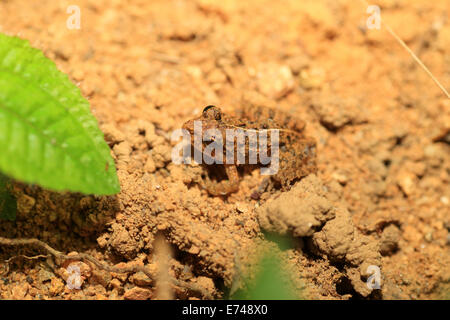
209, 118
212, 113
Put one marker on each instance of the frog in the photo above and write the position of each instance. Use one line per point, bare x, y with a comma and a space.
296, 152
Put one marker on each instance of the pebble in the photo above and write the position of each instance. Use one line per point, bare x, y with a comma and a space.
206, 283
141, 279
340, 177
311, 79
241, 208
434, 155
274, 80
101, 277
137, 293
116, 284
44, 275
428, 236
19, 292
389, 240
407, 181
56, 286
150, 165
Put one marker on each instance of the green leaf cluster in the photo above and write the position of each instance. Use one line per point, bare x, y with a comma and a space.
48, 136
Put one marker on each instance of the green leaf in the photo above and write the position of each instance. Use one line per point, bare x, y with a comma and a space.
8, 204
270, 283
48, 135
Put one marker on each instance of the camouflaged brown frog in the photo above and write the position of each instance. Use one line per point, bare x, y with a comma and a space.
296, 152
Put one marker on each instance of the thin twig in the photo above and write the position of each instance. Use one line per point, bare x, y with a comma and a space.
413, 55
8, 261
421, 64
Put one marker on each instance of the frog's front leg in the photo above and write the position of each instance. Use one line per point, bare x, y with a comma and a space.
225, 187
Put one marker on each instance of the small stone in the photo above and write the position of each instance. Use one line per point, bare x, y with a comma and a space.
434, 154
44, 275
116, 284
114, 295
90, 291
443, 135
19, 292
407, 182
430, 151
56, 286
428, 236
102, 240
389, 240
141, 279
274, 81
206, 283
101, 277
137, 293
313, 78
122, 276
194, 71
340, 177
194, 250
33, 292
150, 165
241, 208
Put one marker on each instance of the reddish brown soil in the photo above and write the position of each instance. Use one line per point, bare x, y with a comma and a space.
382, 193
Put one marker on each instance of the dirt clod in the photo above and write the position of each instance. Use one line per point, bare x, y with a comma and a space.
137, 293
389, 240
299, 212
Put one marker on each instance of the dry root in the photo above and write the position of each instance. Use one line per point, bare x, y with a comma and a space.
86, 257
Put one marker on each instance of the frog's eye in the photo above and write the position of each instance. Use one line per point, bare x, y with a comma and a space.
208, 108
212, 112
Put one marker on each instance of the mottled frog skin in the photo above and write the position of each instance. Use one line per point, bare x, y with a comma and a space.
297, 152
